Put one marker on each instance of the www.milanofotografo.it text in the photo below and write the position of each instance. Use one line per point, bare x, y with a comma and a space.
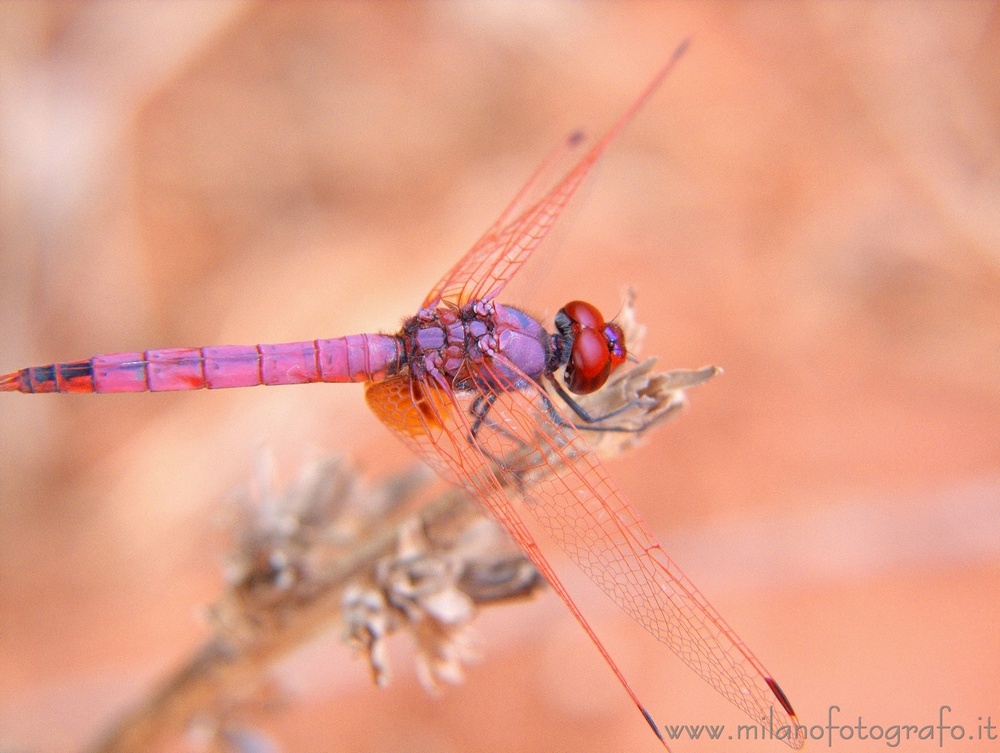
946, 730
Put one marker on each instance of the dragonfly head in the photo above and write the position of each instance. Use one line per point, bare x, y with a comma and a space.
593, 347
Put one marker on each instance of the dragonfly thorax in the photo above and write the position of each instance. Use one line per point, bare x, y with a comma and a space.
446, 341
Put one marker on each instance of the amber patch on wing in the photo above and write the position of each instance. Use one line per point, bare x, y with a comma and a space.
408, 406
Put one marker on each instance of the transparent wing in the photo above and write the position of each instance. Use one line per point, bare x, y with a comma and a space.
502, 233
431, 419
498, 255
525, 455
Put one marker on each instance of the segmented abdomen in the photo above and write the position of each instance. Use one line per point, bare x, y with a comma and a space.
355, 358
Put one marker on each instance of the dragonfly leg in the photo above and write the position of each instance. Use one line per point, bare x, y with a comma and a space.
591, 422
516, 460
480, 409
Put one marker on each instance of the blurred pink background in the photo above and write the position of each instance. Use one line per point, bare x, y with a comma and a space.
811, 201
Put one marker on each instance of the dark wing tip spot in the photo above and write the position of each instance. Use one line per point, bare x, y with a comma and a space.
780, 695
652, 725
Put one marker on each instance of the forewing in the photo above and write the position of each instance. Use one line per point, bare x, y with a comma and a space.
487, 267
479, 259
527, 455
551, 468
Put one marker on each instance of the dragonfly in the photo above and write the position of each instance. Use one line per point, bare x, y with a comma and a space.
464, 385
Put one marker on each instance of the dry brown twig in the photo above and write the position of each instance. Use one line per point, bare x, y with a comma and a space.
332, 552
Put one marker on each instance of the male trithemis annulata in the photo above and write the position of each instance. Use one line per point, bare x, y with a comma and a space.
463, 385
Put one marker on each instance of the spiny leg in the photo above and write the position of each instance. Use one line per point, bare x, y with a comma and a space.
590, 422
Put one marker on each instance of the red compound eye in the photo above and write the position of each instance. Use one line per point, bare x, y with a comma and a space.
597, 347
584, 314
590, 362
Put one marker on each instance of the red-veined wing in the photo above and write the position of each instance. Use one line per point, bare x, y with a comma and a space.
479, 259
526, 455
496, 257
433, 421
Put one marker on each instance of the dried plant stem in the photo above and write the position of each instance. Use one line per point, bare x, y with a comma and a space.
220, 669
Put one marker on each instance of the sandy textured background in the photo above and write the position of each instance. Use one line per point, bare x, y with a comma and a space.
811, 201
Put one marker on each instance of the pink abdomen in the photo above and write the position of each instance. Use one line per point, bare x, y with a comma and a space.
355, 358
